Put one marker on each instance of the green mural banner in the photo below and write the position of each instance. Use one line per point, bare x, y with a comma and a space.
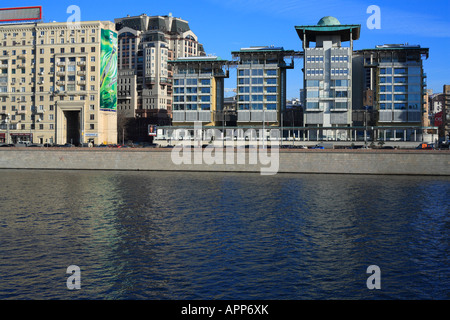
108, 71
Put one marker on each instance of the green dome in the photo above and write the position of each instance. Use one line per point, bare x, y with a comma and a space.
328, 21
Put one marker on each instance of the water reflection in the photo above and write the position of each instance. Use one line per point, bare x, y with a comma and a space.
154, 235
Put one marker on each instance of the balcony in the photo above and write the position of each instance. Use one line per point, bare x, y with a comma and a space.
60, 73
60, 64
81, 63
3, 66
81, 73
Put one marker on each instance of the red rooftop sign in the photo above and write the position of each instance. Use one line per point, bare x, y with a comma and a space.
20, 14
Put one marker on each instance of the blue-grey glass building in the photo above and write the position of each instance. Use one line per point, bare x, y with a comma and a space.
327, 74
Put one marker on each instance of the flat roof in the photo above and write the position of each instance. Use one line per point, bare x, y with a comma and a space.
263, 50
344, 30
198, 59
399, 48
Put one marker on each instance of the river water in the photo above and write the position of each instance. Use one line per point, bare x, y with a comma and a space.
169, 235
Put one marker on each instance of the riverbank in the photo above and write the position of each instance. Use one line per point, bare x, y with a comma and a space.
368, 161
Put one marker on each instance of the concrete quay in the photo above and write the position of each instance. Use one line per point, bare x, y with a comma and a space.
359, 161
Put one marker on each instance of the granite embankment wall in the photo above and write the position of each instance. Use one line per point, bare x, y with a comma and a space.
382, 162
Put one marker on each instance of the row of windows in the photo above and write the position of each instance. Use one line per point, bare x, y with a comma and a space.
41, 108
191, 82
193, 90
333, 83
41, 126
338, 105
192, 106
399, 97
257, 106
399, 106
257, 72
315, 59
390, 79
191, 98
257, 97
257, 89
43, 33
339, 58
396, 71
326, 94
52, 50
399, 88
334, 72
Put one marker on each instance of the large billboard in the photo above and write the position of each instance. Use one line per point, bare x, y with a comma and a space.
20, 14
108, 71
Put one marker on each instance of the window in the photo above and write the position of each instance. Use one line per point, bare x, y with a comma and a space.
91, 126
244, 72
312, 93
257, 72
312, 105
341, 94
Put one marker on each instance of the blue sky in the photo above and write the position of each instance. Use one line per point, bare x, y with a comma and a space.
227, 25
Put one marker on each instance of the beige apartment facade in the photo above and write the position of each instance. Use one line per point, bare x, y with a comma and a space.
146, 44
57, 83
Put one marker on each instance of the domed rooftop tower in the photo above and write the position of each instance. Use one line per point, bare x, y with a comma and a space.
327, 76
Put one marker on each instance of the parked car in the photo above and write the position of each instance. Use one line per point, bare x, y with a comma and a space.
7, 145
23, 144
425, 146
444, 145
67, 145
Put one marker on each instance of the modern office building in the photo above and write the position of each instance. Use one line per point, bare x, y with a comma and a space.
198, 90
261, 84
146, 44
327, 79
58, 82
394, 73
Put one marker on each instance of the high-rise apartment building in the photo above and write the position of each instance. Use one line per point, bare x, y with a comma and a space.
198, 90
146, 44
261, 84
328, 74
395, 74
58, 82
